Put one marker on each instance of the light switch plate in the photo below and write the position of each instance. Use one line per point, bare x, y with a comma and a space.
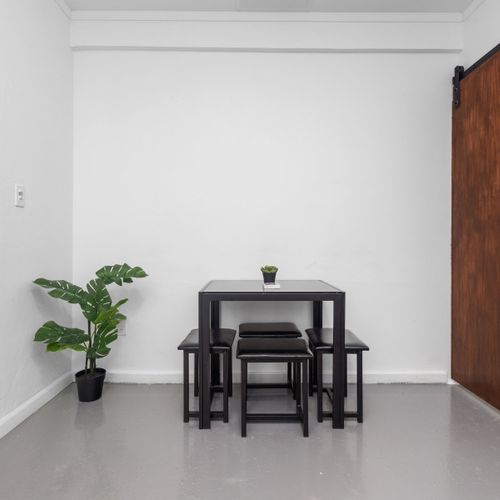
19, 195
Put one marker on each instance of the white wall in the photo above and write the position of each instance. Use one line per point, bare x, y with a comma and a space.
204, 165
481, 31
36, 150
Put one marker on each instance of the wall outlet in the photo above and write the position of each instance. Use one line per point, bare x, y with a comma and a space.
122, 328
19, 195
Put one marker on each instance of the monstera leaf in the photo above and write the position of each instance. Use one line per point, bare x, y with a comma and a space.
96, 300
92, 301
111, 314
106, 330
120, 274
63, 290
58, 338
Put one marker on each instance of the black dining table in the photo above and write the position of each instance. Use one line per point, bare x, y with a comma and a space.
314, 291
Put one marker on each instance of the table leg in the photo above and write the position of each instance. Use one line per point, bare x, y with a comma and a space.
204, 360
317, 314
317, 323
338, 360
215, 323
305, 397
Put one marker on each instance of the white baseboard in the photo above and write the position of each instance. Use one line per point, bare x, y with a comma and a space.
369, 377
143, 377
26, 409
381, 377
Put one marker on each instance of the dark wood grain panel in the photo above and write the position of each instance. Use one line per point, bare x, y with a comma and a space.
476, 233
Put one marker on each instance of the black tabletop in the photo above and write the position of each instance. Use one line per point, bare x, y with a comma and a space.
255, 286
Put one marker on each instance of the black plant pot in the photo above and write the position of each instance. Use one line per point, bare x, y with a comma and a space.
269, 277
90, 386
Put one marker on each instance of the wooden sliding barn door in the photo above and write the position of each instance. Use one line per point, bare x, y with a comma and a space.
476, 228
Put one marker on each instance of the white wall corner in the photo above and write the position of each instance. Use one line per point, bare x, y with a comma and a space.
64, 7
26, 409
472, 8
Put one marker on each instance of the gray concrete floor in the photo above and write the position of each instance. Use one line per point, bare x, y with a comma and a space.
417, 442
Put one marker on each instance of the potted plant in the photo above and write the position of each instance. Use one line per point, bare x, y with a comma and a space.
269, 273
103, 318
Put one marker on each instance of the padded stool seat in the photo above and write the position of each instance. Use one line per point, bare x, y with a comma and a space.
275, 350
221, 338
322, 338
271, 330
263, 348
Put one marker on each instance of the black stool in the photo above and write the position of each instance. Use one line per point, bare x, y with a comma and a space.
321, 342
221, 342
271, 331
275, 350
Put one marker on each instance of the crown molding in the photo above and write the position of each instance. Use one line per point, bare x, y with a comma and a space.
262, 36
64, 8
275, 17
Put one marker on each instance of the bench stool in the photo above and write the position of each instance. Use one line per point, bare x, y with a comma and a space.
321, 342
272, 330
275, 350
221, 342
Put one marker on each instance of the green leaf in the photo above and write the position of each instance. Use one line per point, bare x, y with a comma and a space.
63, 290
59, 337
120, 273
97, 299
52, 331
111, 338
120, 303
54, 347
97, 290
111, 314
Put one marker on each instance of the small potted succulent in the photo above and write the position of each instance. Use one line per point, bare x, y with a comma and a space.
269, 273
102, 316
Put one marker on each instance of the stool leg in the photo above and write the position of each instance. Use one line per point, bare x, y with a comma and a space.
186, 386
319, 377
310, 364
243, 398
298, 385
305, 407
315, 374
225, 385
359, 384
345, 376
230, 375
214, 370
289, 375
294, 380
196, 378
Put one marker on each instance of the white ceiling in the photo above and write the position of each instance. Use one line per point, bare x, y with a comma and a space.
423, 6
